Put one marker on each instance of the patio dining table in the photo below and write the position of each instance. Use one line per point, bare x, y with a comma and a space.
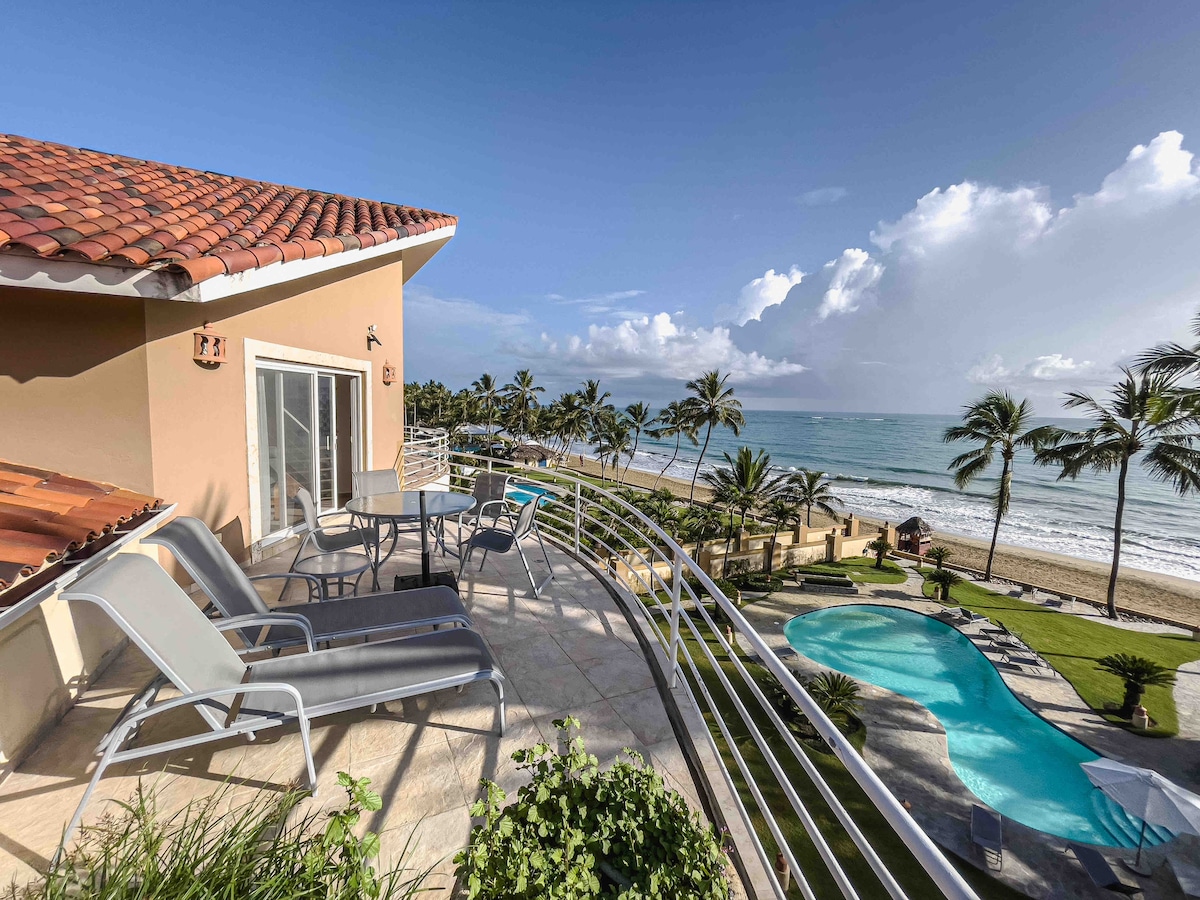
407, 506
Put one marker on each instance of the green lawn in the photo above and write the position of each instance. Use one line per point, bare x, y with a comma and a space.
1073, 645
861, 569
872, 823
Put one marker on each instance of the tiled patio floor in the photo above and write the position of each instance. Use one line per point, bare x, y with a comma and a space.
572, 651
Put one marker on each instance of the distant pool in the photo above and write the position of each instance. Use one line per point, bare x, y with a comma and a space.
523, 493
1010, 758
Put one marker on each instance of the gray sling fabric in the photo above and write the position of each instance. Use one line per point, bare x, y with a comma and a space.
376, 481
213, 569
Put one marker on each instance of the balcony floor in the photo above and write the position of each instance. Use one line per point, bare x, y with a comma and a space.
572, 651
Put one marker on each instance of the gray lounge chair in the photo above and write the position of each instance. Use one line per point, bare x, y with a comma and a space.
233, 594
502, 540
233, 697
1187, 875
988, 832
1100, 871
489, 492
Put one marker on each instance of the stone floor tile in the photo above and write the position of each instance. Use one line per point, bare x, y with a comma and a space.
604, 733
621, 672
643, 712
557, 690
531, 654
416, 784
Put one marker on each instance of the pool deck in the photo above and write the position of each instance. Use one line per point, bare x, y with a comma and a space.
907, 747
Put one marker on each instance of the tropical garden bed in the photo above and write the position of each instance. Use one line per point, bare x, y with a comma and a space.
859, 569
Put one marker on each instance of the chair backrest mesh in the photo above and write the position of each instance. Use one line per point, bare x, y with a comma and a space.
164, 622
376, 481
210, 565
307, 508
489, 486
525, 519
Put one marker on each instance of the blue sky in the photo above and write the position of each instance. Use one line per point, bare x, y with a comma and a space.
624, 173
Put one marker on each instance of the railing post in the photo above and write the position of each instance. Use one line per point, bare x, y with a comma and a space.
578, 517
676, 588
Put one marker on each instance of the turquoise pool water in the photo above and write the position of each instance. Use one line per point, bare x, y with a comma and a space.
523, 493
1010, 758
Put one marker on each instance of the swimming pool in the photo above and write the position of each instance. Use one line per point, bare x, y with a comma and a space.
1010, 758
523, 493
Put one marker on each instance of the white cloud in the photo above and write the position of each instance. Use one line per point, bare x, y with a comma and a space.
989, 371
1052, 367
769, 290
1151, 177
823, 196
852, 276
658, 347
420, 306
1055, 367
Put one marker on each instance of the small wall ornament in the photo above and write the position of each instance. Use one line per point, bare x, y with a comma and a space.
210, 347
389, 373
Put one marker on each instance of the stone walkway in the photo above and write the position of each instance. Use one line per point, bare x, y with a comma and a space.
572, 651
907, 747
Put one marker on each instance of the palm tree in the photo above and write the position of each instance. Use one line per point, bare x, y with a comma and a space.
807, 489
712, 404
674, 421
780, 509
594, 402
612, 440
1138, 673
570, 420
639, 418
488, 393
521, 397
743, 483
1142, 416
835, 693
939, 555
995, 422
1176, 361
881, 547
945, 580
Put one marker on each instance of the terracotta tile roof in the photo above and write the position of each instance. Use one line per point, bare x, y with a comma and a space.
62, 202
46, 517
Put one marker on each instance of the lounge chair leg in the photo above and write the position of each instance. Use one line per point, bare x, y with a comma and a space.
308, 756
528, 571
118, 739
498, 684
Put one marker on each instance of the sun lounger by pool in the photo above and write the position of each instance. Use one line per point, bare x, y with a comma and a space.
236, 698
1100, 871
987, 832
233, 593
1187, 875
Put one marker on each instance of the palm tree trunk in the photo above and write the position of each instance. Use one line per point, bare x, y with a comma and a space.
771, 556
1116, 560
636, 436
808, 517
1001, 505
696, 474
728, 541
678, 437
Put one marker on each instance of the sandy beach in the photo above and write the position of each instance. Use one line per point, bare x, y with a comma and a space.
1148, 592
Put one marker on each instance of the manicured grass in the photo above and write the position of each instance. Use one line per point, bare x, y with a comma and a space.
860, 569
870, 821
1073, 645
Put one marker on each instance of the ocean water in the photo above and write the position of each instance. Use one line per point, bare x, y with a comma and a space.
891, 467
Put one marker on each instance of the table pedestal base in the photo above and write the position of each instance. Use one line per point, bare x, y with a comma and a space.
407, 582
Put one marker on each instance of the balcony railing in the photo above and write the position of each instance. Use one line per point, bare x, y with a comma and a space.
603, 529
424, 458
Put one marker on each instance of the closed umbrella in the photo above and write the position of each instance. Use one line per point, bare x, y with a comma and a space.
1147, 795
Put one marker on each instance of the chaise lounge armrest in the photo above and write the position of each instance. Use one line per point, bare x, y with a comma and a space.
294, 620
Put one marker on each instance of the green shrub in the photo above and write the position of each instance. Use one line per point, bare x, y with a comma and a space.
757, 581
247, 851
831, 580
577, 832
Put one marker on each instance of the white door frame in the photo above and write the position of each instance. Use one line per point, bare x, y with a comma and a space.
255, 352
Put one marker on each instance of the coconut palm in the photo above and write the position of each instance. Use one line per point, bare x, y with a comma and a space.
593, 400
569, 421
520, 396
612, 440
945, 580
780, 510
808, 490
1138, 673
699, 521
881, 547
674, 421
1141, 418
939, 555
639, 418
1177, 362
743, 483
995, 422
488, 393
712, 404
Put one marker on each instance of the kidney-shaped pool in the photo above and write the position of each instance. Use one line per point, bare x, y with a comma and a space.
1010, 758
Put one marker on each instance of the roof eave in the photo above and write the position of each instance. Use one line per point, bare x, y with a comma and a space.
167, 283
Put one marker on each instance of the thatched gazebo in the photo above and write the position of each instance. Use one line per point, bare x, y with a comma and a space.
530, 454
914, 536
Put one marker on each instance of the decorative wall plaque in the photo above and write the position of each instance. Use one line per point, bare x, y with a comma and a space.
389, 373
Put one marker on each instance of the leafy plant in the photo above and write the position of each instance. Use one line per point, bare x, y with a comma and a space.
577, 832
1138, 673
945, 580
881, 547
207, 852
938, 555
835, 693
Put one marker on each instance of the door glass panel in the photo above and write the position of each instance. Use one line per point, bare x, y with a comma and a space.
346, 447
299, 454
326, 474
271, 482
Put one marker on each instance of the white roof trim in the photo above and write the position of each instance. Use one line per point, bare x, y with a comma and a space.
162, 284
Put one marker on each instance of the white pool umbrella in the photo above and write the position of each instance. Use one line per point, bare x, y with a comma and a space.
1147, 795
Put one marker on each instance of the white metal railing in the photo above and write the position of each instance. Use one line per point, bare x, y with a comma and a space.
425, 456
605, 529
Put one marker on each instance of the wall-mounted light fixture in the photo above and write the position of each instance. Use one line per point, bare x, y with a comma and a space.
210, 347
371, 338
389, 373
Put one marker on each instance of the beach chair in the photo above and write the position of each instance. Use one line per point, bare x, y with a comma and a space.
502, 540
1187, 875
342, 537
1029, 659
489, 491
232, 593
1100, 872
987, 833
233, 697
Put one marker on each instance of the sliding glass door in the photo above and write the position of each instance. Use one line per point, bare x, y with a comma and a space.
308, 437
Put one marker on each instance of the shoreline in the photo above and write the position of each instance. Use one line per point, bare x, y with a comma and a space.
1156, 594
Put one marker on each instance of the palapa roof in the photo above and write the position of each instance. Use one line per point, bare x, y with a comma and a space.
530, 453
915, 525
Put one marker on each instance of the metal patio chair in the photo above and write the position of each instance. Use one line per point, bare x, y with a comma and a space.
339, 538
232, 593
234, 697
489, 491
502, 540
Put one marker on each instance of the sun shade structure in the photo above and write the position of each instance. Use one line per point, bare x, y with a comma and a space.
72, 204
914, 536
1147, 795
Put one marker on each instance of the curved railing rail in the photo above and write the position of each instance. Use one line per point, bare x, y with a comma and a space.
614, 536
425, 456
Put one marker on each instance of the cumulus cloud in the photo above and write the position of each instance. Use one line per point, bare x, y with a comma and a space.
659, 347
822, 196
1052, 367
769, 290
852, 276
